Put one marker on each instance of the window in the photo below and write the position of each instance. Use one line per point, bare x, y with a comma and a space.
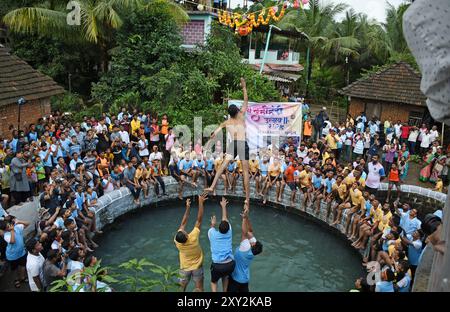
415, 118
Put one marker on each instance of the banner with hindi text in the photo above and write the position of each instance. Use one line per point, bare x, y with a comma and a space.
271, 122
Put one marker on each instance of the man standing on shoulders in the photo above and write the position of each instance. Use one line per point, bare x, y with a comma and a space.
221, 249
35, 265
190, 251
244, 255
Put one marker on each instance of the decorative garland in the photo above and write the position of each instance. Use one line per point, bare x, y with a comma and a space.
244, 23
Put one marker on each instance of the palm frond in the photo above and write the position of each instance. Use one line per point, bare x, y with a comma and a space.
35, 20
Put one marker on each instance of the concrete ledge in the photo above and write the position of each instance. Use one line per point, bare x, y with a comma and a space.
28, 211
119, 202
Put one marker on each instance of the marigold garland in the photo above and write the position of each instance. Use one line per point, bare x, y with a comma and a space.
244, 24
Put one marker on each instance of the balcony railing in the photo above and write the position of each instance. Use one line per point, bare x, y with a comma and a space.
208, 5
281, 57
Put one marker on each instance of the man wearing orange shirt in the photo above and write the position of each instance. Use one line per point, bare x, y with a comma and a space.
307, 129
290, 180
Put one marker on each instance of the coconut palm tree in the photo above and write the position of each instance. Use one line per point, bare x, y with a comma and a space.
99, 19
394, 29
317, 23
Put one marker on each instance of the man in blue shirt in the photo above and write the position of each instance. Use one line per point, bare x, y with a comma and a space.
387, 281
221, 249
74, 146
32, 134
209, 170
414, 250
244, 255
186, 168
409, 222
12, 232
47, 158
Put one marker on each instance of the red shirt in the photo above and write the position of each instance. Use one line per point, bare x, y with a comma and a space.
405, 132
289, 173
394, 176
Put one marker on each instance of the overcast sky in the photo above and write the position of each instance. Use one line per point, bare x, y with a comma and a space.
373, 8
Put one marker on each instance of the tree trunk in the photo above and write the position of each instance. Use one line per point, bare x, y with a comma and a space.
104, 57
309, 73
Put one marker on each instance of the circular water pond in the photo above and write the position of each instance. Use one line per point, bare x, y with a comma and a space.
298, 254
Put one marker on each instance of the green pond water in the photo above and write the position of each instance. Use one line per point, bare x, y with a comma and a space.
298, 254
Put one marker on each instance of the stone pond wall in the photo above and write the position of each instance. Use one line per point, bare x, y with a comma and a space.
119, 202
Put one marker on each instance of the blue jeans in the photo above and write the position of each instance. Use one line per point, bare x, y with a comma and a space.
412, 147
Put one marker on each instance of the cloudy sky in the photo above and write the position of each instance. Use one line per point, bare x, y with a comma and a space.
373, 8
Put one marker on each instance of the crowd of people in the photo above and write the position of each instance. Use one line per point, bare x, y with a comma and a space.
69, 165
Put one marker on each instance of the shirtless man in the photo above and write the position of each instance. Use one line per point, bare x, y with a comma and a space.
235, 126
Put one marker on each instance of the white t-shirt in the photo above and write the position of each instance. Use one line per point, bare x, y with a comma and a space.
55, 245
421, 132
302, 154
433, 135
107, 188
326, 128
398, 130
125, 137
426, 140
99, 128
246, 244
143, 150
374, 176
74, 265
348, 138
413, 136
35, 265
157, 155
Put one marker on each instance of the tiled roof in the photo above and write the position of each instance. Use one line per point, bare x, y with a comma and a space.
18, 79
398, 83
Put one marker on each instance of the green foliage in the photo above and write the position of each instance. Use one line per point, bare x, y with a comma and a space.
75, 107
134, 276
415, 158
85, 280
152, 72
67, 103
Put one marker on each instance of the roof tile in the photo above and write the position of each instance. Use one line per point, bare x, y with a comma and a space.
398, 83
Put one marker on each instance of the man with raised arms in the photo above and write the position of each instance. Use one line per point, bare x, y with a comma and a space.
235, 127
188, 244
244, 255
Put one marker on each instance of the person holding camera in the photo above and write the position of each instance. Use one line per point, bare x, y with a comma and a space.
11, 230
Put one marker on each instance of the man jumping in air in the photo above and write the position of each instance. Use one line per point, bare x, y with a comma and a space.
235, 126
191, 254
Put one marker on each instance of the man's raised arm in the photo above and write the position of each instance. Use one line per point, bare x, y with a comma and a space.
223, 204
244, 216
201, 206
186, 214
244, 91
